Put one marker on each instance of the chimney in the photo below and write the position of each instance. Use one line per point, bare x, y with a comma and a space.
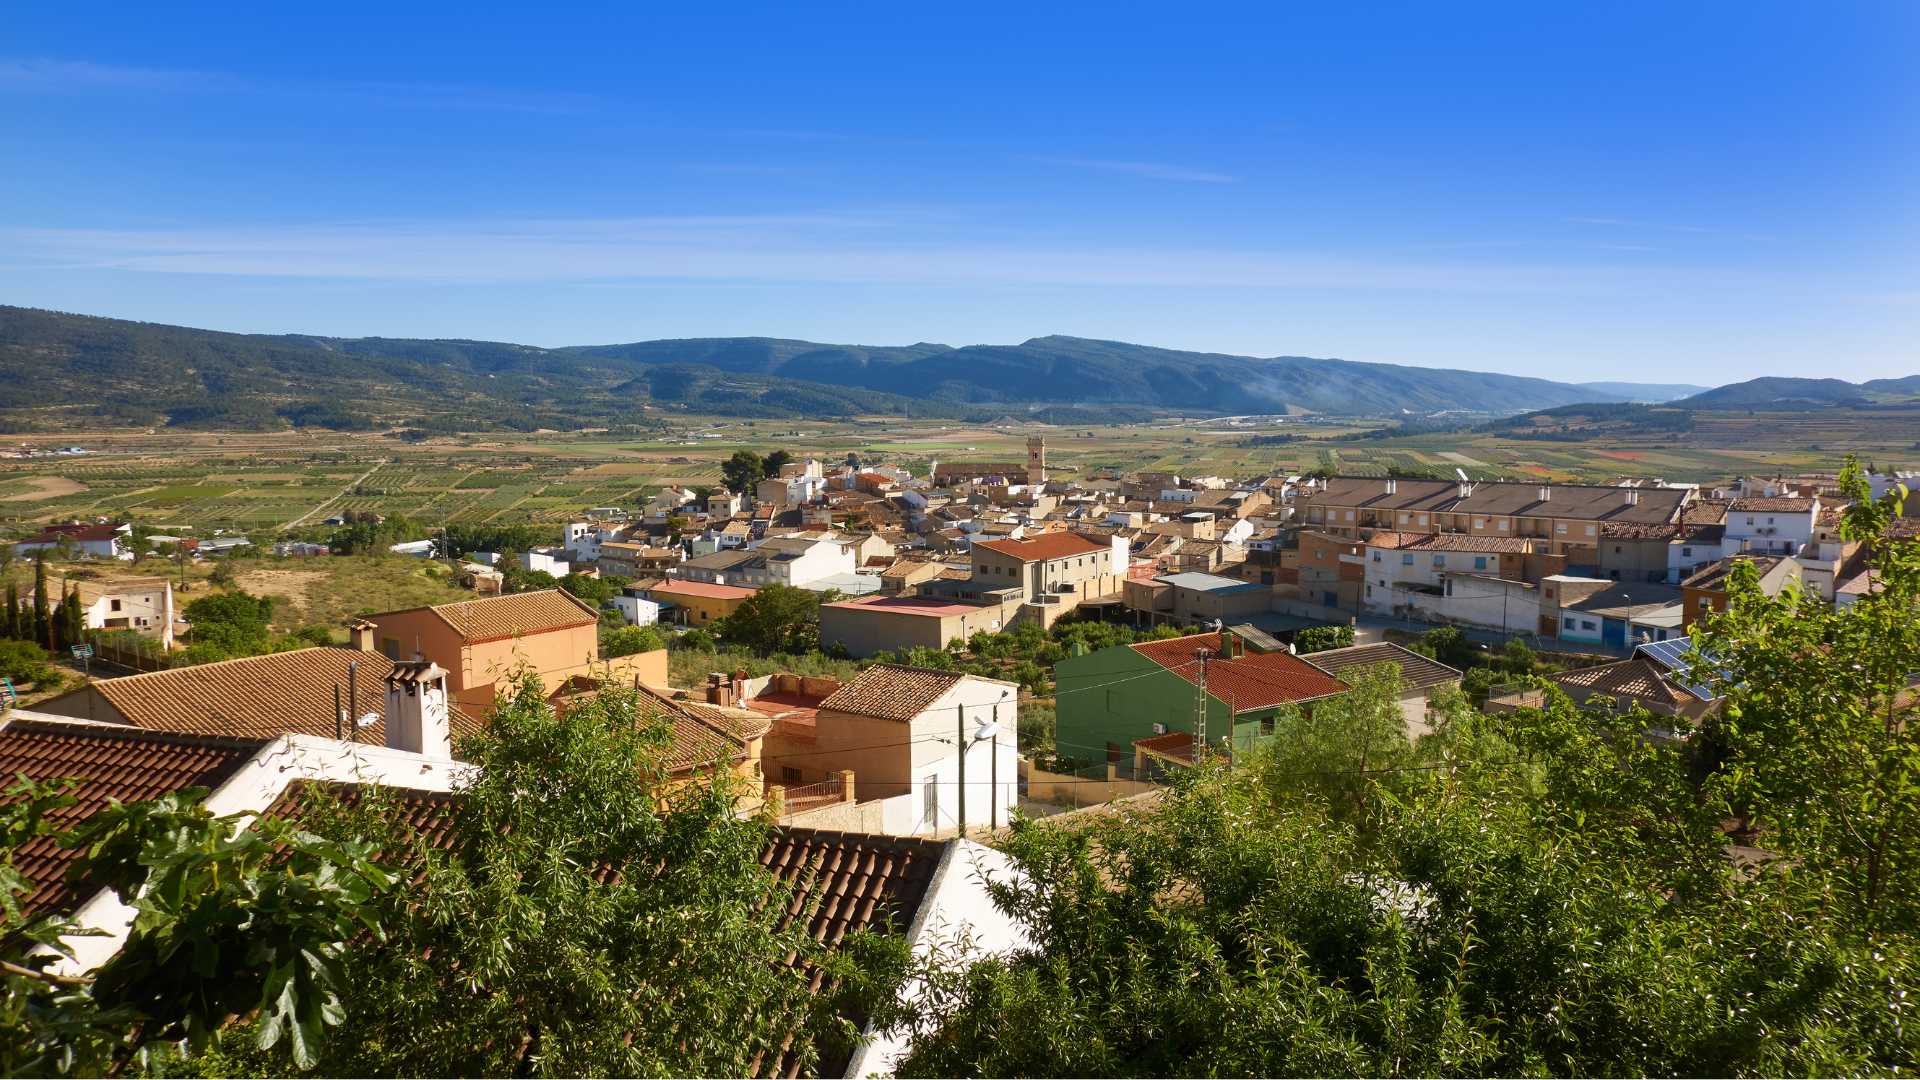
1545, 493
416, 715
846, 785
1633, 496
1392, 486
360, 635
1466, 489
719, 689
739, 685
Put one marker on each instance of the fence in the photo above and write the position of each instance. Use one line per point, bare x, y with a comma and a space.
1068, 790
130, 651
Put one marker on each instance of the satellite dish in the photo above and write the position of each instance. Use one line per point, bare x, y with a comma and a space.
987, 729
368, 720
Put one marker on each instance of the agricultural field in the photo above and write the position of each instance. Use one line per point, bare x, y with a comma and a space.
264, 484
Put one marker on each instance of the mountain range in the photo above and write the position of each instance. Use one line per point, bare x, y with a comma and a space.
60, 369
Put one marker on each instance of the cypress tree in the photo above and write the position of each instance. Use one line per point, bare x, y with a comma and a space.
13, 628
42, 606
75, 625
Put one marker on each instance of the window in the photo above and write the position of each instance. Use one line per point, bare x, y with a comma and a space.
789, 774
1406, 558
116, 605
1479, 562
1376, 556
1422, 519
390, 648
1749, 521
1350, 517
930, 801
1559, 526
1569, 622
1479, 523
1589, 530
1440, 561
1586, 624
1503, 524
1769, 521
1616, 549
1705, 603
1369, 592
1687, 552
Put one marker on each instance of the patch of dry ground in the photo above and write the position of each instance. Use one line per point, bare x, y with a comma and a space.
46, 487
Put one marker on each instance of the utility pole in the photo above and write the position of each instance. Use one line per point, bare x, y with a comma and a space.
1200, 705
993, 807
960, 740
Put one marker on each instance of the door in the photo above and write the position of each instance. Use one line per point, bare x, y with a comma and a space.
1614, 632
930, 802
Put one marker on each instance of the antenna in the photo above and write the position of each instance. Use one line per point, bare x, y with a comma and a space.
1200, 706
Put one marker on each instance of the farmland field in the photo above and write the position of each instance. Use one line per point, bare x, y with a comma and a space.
262, 482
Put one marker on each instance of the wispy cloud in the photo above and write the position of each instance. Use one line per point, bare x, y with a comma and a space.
84, 76
43, 74
1152, 170
842, 248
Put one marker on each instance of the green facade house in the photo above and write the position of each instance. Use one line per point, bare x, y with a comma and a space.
1109, 698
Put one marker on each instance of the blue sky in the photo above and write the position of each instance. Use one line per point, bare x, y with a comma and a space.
1693, 192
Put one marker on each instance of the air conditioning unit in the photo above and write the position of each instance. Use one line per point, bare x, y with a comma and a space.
1159, 729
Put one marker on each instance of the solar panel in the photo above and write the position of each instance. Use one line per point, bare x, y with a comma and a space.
1672, 655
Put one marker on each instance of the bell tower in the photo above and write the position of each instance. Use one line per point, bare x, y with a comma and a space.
1036, 459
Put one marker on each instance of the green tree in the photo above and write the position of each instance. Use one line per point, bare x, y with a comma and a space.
741, 471
14, 627
619, 924
230, 624
617, 641
25, 663
42, 602
1320, 638
770, 465
776, 618
1820, 752
231, 918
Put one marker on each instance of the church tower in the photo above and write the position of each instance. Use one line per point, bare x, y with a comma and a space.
1036, 460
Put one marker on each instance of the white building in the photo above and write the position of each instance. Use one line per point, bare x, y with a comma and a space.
143, 605
1771, 525
801, 559
87, 541
637, 610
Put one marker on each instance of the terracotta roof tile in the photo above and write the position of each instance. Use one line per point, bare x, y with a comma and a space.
1636, 678
1053, 545
254, 697
1244, 683
1783, 505
681, 587
891, 692
1416, 672
112, 762
491, 618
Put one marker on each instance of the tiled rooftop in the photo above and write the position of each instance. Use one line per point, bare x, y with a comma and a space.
891, 692
1252, 681
111, 762
1576, 501
1416, 672
254, 697
491, 618
1053, 545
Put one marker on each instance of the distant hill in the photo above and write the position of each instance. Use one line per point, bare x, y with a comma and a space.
1574, 423
1774, 392
1069, 369
64, 370
1649, 393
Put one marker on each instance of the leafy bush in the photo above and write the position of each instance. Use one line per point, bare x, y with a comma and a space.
618, 641
24, 662
1321, 638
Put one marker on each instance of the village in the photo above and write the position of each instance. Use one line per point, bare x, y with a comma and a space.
933, 656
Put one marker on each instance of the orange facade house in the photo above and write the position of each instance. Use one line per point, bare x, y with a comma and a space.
481, 642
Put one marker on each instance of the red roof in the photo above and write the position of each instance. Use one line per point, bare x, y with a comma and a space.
907, 605
679, 587
1252, 681
78, 532
1053, 545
